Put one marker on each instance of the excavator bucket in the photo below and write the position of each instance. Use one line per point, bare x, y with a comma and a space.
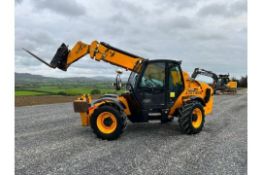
59, 60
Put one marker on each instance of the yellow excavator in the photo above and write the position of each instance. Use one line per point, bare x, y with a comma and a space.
156, 90
221, 82
225, 85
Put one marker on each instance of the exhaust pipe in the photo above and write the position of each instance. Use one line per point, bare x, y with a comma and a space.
59, 60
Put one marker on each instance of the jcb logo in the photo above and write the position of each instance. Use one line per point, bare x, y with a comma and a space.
193, 91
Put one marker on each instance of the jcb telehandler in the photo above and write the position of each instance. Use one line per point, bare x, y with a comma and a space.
220, 83
156, 90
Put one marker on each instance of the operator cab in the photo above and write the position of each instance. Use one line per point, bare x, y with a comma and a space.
154, 89
222, 81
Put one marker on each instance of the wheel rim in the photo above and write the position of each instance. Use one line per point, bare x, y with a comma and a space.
106, 122
197, 118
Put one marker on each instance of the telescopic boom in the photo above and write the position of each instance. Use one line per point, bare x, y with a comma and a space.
97, 51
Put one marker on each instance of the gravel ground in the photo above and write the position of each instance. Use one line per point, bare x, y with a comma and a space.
50, 140
42, 99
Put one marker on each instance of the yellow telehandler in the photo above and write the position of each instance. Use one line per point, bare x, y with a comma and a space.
156, 90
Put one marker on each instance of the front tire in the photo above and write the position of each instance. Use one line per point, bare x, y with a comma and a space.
192, 118
108, 123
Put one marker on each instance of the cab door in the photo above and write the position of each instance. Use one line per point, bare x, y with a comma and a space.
175, 82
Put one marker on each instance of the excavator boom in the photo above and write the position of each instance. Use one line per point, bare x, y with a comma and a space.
97, 51
204, 72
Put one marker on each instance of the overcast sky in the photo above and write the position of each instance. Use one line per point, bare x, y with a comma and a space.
206, 34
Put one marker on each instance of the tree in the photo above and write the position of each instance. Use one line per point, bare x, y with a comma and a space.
243, 82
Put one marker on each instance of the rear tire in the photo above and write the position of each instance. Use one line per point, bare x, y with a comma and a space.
108, 122
192, 118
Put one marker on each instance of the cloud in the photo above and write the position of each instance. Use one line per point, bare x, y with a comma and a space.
239, 7
63, 7
178, 4
213, 10
224, 10
18, 1
211, 35
129, 8
179, 22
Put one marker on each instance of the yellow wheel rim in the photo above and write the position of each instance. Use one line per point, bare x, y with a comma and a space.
198, 117
106, 122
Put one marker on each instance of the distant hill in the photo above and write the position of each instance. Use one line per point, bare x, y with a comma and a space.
25, 79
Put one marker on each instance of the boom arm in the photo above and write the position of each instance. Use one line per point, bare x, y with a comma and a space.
204, 72
97, 51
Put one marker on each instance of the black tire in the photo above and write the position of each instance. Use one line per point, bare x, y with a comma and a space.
119, 116
124, 118
186, 118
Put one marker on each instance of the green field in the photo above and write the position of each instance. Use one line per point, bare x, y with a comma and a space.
28, 93
67, 91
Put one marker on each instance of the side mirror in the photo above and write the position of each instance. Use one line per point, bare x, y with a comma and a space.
118, 81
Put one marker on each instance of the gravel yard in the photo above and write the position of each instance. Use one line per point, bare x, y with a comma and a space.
49, 139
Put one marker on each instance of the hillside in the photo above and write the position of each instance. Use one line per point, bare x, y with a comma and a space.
36, 85
26, 79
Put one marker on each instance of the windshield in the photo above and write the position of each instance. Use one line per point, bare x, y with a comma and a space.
153, 76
